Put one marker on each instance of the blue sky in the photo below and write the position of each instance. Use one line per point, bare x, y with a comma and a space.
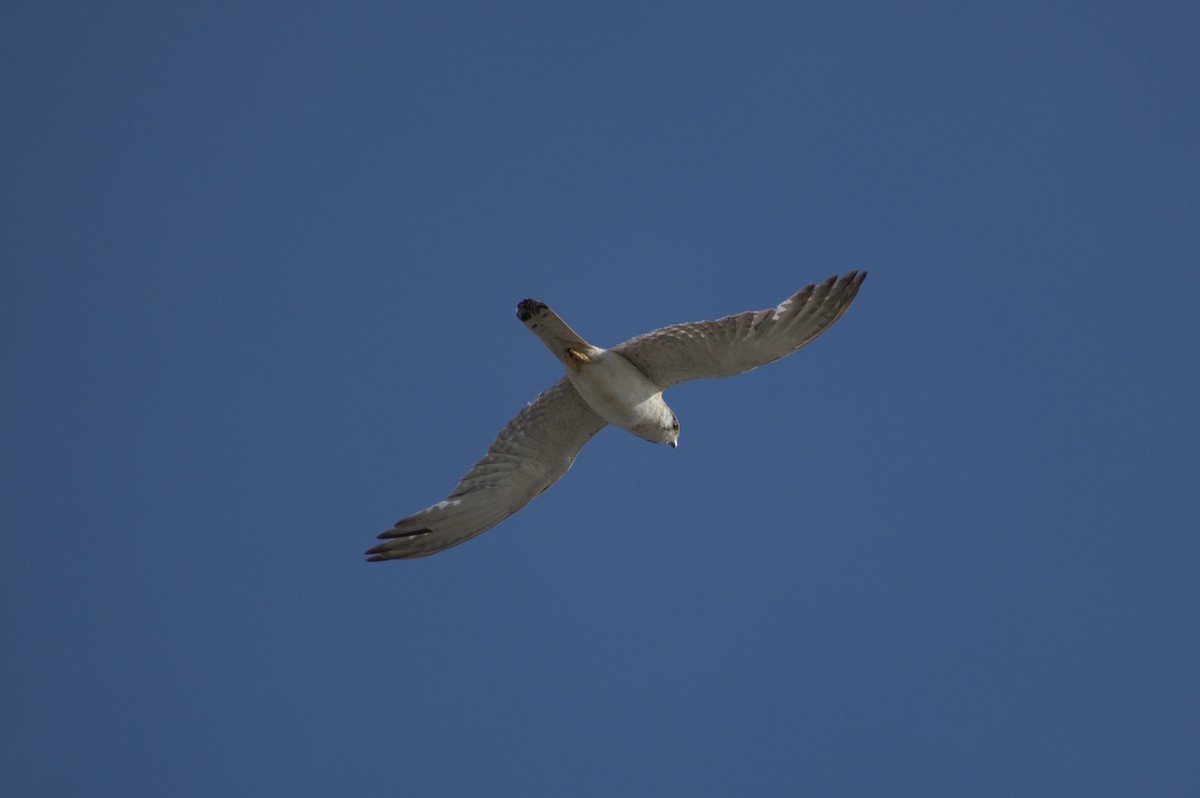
260, 266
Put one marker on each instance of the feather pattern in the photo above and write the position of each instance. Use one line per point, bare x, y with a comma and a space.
529, 455
739, 343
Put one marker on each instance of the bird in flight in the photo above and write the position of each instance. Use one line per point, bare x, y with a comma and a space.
622, 386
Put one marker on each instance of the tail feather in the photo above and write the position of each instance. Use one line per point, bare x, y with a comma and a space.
566, 344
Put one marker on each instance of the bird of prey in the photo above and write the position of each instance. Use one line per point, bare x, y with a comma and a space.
622, 386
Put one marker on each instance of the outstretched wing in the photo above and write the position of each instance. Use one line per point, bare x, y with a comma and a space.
530, 454
734, 344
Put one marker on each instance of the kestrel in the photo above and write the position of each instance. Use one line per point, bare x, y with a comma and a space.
622, 386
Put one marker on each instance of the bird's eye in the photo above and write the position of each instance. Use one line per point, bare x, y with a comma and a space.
675, 424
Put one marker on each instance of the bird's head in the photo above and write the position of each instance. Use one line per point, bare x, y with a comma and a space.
664, 429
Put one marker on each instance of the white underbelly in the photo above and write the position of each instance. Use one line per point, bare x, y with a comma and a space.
618, 392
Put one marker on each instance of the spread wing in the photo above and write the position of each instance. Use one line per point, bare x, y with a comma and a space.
530, 454
735, 344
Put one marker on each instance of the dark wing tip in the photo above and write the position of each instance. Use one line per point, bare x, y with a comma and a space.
854, 280
396, 532
854, 276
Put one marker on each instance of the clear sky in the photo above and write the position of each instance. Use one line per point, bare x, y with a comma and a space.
260, 265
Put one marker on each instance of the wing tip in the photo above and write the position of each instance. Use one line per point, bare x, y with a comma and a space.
394, 541
853, 280
397, 532
853, 277
397, 547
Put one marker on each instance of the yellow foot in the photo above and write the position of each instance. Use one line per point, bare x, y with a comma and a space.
578, 356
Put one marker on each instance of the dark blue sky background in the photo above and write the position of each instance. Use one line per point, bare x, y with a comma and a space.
260, 266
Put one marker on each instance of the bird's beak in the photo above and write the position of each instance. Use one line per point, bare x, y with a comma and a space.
674, 444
